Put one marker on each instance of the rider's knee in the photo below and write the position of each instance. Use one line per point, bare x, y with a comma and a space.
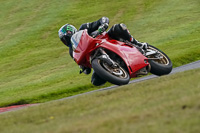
119, 31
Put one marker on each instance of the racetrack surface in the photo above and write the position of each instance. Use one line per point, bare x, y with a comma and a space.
186, 67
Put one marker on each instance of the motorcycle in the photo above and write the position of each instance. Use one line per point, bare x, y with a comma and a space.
117, 61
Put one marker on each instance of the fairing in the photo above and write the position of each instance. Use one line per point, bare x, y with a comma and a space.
130, 55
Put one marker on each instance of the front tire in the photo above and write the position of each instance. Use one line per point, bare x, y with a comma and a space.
117, 76
162, 66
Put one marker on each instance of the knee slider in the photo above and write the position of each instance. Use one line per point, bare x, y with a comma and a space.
123, 26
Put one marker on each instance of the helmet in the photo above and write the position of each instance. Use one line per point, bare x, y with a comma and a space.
65, 33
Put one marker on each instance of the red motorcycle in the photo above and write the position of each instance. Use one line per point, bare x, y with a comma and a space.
116, 61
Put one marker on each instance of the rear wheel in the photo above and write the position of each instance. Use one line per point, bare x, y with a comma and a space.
113, 74
160, 62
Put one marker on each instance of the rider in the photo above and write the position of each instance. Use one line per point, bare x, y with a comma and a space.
117, 31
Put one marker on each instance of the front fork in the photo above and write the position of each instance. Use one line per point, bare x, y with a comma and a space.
105, 57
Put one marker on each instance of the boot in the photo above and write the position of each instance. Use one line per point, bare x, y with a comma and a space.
142, 45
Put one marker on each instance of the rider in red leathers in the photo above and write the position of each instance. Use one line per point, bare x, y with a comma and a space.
117, 31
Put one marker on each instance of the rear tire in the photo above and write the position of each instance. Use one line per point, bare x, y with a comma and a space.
104, 71
160, 67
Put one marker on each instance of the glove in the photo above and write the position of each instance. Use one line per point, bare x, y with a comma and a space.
85, 70
103, 28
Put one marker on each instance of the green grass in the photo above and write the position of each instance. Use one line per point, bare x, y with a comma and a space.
35, 65
168, 104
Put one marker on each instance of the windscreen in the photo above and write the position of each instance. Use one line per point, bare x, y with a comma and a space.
75, 39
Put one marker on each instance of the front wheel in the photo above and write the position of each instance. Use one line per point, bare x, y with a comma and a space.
115, 75
160, 62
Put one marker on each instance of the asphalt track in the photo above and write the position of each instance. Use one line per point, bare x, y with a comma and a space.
193, 65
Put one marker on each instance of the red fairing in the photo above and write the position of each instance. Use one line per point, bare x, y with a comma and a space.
82, 53
131, 56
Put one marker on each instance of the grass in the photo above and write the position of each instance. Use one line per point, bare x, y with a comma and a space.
35, 65
166, 104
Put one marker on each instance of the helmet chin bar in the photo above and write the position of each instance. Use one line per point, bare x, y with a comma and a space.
66, 39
